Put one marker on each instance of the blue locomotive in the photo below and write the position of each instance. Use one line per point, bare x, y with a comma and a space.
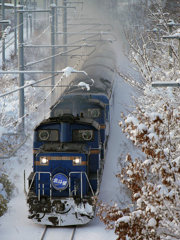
70, 148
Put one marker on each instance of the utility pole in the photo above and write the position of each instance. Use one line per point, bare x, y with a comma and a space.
27, 19
171, 24
64, 28
52, 48
15, 29
21, 67
174, 36
165, 84
3, 42
56, 22
31, 27
35, 13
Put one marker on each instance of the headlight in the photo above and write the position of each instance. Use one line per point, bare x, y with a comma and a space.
44, 161
77, 161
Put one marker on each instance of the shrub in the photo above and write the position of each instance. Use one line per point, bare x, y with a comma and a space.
6, 190
3, 205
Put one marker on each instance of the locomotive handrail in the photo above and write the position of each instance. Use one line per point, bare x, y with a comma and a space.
39, 184
70, 194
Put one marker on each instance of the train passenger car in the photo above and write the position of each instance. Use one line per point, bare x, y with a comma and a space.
70, 148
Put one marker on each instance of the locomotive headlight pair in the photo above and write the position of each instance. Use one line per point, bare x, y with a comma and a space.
44, 161
77, 161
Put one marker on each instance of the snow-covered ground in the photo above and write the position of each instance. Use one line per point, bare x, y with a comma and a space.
15, 225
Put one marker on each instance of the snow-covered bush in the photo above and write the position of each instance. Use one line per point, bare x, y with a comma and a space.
6, 191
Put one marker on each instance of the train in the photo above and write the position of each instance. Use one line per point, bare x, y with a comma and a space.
69, 148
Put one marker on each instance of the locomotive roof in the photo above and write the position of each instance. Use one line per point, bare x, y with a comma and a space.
100, 85
100, 66
69, 118
79, 98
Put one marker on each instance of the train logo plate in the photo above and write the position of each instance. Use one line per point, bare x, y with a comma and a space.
60, 181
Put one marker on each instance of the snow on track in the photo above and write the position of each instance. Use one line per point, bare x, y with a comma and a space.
59, 233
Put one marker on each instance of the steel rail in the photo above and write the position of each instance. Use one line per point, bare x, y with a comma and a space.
45, 231
73, 233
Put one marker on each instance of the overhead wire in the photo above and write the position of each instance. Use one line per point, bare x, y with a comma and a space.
52, 90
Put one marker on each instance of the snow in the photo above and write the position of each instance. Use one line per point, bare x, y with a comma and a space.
67, 71
142, 127
6, 31
9, 5
132, 119
154, 115
153, 137
163, 190
129, 172
124, 219
84, 85
139, 201
152, 222
148, 161
9, 50
2, 130
170, 22
151, 208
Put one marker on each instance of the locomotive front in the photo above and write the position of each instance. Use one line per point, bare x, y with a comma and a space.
63, 183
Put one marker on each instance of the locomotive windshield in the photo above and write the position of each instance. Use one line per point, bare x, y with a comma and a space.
83, 135
48, 135
92, 112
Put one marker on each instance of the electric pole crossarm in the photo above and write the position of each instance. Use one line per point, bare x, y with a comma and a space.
40, 10
29, 72
176, 36
73, 2
60, 46
5, 21
165, 84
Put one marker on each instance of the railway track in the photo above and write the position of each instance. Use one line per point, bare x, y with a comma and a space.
58, 233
